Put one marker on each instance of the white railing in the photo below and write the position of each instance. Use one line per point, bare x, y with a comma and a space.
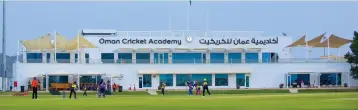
189, 61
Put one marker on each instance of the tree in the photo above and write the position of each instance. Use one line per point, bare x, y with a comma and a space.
352, 58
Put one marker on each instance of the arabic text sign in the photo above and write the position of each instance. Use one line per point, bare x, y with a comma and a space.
238, 41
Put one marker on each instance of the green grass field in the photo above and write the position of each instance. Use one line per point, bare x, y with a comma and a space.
272, 101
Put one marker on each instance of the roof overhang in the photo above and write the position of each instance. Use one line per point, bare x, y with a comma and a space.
195, 71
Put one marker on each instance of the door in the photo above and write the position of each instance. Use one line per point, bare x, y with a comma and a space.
247, 80
140, 82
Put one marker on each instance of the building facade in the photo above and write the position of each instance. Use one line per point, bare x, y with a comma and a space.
228, 60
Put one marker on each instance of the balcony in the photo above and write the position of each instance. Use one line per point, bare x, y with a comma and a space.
191, 61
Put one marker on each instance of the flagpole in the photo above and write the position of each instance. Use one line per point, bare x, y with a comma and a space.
328, 46
3, 66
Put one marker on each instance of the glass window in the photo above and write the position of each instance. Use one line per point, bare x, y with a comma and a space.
201, 77
57, 79
107, 57
234, 57
240, 79
252, 58
34, 57
331, 79
167, 79
63, 57
217, 58
48, 58
187, 58
124, 58
181, 79
221, 79
147, 80
142, 58
161, 58
266, 57
295, 78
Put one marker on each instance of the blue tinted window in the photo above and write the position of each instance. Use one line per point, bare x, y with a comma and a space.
266, 57
201, 77
331, 79
34, 57
221, 79
147, 80
87, 57
297, 77
167, 79
48, 57
234, 57
217, 58
57, 79
124, 58
252, 58
181, 79
240, 79
187, 58
142, 58
107, 57
63, 57
161, 58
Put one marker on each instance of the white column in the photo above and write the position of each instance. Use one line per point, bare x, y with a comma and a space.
115, 57
134, 57
47, 82
319, 80
78, 80
82, 57
44, 58
52, 57
287, 75
174, 81
151, 56
72, 57
348, 83
243, 56
170, 57
260, 56
226, 57
213, 80
207, 57
111, 84
24, 57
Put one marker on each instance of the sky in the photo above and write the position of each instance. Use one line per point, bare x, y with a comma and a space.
29, 20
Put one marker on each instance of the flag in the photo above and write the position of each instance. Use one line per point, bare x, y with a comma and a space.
190, 2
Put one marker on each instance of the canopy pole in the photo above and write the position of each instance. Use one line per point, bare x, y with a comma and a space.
78, 46
307, 48
55, 51
328, 53
18, 51
339, 54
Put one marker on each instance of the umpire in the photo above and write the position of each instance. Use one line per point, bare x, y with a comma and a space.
73, 89
35, 85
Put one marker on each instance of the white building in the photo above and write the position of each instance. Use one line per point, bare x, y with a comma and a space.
144, 59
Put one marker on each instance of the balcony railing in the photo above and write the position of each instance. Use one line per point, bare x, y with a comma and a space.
187, 61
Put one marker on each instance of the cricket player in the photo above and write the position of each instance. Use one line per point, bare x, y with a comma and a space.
162, 87
84, 91
197, 85
35, 85
205, 87
102, 90
190, 91
73, 90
